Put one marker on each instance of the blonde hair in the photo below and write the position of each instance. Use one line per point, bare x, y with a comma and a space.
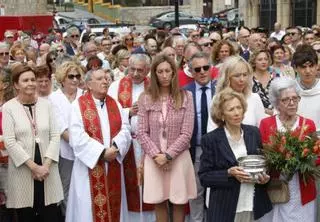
227, 70
220, 99
65, 68
254, 56
121, 54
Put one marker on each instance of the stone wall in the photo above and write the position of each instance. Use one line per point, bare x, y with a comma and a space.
24, 7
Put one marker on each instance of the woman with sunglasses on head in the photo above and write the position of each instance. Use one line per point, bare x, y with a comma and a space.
237, 74
120, 63
68, 75
32, 140
165, 125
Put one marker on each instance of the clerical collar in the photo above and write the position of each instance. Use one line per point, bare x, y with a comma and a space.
99, 103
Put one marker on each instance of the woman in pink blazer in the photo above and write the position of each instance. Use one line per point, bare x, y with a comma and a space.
165, 128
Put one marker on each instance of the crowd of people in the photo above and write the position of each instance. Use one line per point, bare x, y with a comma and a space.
150, 126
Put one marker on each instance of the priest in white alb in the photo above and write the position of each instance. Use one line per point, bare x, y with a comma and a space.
100, 135
127, 91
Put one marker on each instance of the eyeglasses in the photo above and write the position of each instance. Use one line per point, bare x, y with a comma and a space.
207, 44
52, 59
106, 45
292, 33
205, 68
131, 39
118, 42
195, 36
74, 36
72, 76
133, 70
60, 50
286, 101
4, 53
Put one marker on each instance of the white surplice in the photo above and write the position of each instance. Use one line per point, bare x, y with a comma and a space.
137, 89
87, 152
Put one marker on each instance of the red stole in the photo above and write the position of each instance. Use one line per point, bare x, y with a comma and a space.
129, 163
125, 91
268, 126
105, 188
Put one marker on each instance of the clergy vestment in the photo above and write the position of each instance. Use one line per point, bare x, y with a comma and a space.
127, 93
82, 207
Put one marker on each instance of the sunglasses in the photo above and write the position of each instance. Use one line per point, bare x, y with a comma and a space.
4, 53
205, 68
74, 36
116, 42
52, 59
77, 76
60, 50
207, 44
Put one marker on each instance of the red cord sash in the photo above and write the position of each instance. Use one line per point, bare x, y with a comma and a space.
129, 164
105, 188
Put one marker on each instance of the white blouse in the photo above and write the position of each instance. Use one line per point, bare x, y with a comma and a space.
245, 201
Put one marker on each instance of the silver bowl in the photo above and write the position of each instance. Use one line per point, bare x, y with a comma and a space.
254, 165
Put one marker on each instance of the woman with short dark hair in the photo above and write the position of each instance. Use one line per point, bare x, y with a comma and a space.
32, 140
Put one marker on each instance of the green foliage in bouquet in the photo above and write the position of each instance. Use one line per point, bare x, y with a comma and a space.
293, 151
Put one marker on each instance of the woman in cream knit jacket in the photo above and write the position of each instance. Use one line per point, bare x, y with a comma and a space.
32, 140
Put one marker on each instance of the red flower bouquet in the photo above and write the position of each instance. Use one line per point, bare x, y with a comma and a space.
293, 151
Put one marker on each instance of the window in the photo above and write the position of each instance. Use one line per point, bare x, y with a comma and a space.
268, 13
304, 12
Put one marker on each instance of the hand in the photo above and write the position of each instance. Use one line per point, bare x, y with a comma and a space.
111, 153
133, 110
40, 173
166, 167
239, 174
160, 159
263, 178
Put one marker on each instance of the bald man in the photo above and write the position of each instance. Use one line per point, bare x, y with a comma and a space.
278, 33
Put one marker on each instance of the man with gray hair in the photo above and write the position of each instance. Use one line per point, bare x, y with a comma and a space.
127, 91
90, 49
202, 89
99, 133
72, 44
4, 55
278, 33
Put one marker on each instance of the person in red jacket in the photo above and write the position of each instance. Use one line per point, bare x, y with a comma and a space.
285, 98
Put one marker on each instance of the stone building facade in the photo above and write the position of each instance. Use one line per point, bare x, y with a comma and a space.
24, 7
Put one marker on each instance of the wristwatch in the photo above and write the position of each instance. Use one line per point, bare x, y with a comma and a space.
168, 157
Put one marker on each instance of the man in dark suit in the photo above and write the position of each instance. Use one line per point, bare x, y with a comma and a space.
202, 88
243, 39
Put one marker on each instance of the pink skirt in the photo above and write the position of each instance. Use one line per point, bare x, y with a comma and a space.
177, 185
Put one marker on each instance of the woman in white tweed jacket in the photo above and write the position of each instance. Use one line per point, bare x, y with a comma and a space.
32, 140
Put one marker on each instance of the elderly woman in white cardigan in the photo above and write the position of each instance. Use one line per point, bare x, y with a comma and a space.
32, 140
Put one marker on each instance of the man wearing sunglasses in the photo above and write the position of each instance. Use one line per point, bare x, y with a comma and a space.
203, 89
73, 44
90, 49
206, 45
4, 55
296, 34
